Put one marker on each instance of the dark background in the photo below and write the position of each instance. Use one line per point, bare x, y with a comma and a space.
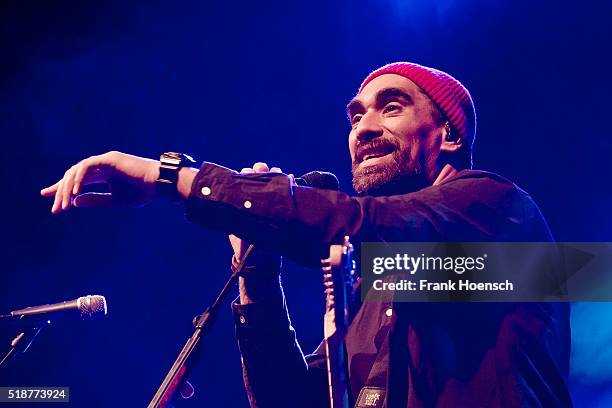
235, 83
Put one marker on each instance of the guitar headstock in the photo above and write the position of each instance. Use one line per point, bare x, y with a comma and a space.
338, 284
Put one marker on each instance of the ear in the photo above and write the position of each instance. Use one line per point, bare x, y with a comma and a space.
451, 142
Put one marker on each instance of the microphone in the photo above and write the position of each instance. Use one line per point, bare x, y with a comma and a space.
84, 308
319, 179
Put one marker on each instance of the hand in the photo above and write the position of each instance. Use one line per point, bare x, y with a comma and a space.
131, 180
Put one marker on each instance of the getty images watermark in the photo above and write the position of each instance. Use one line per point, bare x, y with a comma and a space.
491, 271
404, 263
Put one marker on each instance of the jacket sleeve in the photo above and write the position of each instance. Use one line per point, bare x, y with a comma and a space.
275, 371
300, 222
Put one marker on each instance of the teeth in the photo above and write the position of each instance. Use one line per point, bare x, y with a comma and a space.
372, 156
377, 153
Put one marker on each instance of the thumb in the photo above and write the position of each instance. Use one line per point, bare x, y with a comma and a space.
236, 243
100, 200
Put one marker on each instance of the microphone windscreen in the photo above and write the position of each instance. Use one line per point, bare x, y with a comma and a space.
91, 307
319, 179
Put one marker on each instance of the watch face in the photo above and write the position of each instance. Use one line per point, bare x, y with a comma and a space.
176, 159
167, 159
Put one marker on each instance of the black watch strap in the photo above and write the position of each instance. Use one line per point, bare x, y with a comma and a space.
170, 165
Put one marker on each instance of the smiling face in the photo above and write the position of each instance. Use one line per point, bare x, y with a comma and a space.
395, 138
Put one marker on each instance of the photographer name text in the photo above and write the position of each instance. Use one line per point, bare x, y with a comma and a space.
448, 286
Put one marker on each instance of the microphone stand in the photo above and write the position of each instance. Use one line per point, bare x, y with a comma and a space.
188, 354
22, 342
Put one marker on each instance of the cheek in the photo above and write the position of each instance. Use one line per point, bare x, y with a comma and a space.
352, 140
401, 126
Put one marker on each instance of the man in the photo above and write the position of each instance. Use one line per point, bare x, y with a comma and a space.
410, 145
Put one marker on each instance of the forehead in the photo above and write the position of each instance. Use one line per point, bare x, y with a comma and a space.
367, 96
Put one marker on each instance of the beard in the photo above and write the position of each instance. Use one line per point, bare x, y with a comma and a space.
399, 174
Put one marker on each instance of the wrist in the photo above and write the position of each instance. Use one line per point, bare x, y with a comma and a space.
256, 289
259, 282
153, 172
185, 181
173, 182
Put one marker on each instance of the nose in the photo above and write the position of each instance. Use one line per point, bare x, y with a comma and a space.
368, 127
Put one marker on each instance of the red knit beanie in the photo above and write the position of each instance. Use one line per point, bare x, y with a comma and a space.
452, 98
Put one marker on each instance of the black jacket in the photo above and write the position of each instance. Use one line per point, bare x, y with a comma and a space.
435, 354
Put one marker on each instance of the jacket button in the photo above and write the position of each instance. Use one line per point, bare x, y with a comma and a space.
242, 320
248, 204
205, 191
389, 312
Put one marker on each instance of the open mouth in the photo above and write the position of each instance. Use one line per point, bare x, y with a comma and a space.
370, 154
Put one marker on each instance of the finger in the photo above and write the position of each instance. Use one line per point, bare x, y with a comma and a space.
67, 188
88, 200
292, 180
49, 191
275, 170
57, 200
260, 167
247, 170
79, 175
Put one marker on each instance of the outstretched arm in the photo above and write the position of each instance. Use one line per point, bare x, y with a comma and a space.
131, 179
300, 222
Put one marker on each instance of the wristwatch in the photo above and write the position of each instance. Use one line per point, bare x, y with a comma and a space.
170, 165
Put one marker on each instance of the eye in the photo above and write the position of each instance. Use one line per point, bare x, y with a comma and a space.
392, 107
356, 118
